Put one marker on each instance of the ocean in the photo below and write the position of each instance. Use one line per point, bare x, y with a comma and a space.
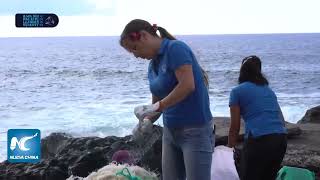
89, 86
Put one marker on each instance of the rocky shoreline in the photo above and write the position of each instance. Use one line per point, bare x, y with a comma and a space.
64, 155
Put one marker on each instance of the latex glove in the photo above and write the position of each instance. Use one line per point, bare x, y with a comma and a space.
144, 111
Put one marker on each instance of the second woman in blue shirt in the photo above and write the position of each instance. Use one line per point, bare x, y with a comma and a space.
265, 133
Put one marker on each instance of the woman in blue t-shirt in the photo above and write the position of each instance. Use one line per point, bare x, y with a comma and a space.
265, 133
179, 91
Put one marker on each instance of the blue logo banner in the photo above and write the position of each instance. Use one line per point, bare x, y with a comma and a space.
24, 145
36, 20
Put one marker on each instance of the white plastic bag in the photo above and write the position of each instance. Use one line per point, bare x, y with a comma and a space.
223, 167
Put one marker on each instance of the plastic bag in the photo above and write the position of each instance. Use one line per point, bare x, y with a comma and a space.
223, 167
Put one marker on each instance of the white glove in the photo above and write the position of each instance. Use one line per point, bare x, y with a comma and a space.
147, 111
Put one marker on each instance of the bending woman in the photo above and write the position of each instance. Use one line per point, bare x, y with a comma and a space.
265, 133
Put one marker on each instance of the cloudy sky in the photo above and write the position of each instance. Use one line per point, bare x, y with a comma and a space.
108, 17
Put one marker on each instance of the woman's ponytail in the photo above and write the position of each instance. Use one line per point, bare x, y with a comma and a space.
205, 77
165, 34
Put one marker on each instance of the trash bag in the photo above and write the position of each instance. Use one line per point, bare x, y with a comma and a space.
223, 167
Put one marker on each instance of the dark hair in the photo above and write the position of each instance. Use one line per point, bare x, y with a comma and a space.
133, 28
137, 25
251, 71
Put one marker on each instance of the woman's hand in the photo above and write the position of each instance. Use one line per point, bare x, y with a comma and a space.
147, 111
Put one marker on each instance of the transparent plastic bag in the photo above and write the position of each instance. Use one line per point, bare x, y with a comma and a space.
223, 167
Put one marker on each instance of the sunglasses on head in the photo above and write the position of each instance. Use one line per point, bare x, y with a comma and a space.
248, 58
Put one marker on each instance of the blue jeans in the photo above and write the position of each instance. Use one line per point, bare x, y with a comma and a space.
187, 152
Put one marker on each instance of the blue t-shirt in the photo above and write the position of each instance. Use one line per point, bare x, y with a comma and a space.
259, 109
195, 108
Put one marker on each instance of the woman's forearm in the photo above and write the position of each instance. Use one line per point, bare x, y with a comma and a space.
185, 87
234, 126
180, 92
232, 138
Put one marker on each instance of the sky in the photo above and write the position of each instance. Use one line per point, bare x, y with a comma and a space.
179, 17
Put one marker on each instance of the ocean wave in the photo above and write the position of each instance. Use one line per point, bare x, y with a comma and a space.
293, 95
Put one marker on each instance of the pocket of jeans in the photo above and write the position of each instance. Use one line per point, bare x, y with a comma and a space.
198, 131
198, 139
193, 132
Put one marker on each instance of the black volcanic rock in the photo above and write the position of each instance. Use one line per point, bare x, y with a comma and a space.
311, 116
64, 155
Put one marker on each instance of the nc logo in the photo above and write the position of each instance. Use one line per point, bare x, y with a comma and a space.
23, 145
164, 68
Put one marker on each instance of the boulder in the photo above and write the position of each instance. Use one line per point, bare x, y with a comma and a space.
64, 155
312, 116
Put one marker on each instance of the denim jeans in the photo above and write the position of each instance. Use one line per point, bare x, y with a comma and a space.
187, 152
